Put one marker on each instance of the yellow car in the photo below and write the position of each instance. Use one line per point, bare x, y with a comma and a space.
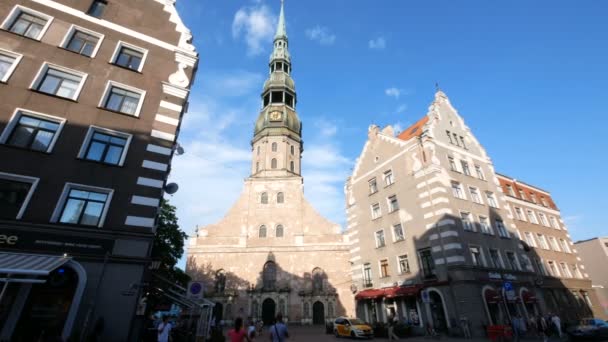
352, 327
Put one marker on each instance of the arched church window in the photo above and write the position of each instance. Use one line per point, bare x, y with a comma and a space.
291, 166
262, 232
280, 197
274, 147
279, 232
270, 275
292, 150
220, 281
273, 163
264, 198
317, 279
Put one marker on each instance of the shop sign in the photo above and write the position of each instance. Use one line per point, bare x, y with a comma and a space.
509, 276
28, 241
425, 296
494, 275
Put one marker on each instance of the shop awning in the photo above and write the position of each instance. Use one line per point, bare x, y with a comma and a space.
528, 297
30, 264
370, 294
401, 291
492, 297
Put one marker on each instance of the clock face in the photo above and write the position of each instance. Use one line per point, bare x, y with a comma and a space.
275, 116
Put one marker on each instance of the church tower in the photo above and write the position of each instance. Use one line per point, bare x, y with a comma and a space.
277, 140
273, 252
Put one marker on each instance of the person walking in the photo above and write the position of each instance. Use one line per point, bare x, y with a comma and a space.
238, 333
557, 323
278, 332
164, 330
251, 329
392, 322
543, 328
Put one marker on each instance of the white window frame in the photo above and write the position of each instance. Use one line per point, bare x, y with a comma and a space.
565, 247
481, 256
531, 235
461, 190
553, 222
517, 264
471, 222
502, 264
528, 261
466, 169
562, 266
20, 112
375, 186
87, 140
17, 10
478, 195
72, 31
533, 218
542, 242
577, 272
10, 70
506, 231
490, 229
452, 164
390, 205
393, 231
557, 271
71, 186
106, 94
520, 214
24, 179
399, 270
377, 240
392, 177
554, 244
543, 219
122, 44
479, 171
371, 207
380, 268
44, 69
490, 195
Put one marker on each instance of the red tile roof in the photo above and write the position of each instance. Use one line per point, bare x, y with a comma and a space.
414, 130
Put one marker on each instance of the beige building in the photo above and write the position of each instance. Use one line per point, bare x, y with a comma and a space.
273, 252
594, 253
433, 236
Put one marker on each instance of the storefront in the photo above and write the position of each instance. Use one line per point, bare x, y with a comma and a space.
377, 305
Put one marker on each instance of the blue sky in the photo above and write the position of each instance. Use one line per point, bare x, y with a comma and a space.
529, 77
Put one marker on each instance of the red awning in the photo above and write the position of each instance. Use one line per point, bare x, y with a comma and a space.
528, 297
492, 297
401, 291
370, 294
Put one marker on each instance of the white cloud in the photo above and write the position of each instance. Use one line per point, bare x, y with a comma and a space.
377, 43
393, 92
401, 109
321, 34
257, 24
235, 83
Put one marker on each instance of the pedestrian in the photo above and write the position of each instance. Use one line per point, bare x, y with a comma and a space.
239, 333
557, 323
278, 332
392, 322
464, 324
164, 330
251, 329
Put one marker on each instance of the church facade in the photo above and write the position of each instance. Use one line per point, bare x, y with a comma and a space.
273, 253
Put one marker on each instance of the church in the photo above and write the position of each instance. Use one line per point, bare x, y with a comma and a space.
273, 253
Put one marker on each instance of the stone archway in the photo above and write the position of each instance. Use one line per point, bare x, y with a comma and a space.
268, 311
318, 313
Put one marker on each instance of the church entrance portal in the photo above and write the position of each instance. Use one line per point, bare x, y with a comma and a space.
318, 313
268, 311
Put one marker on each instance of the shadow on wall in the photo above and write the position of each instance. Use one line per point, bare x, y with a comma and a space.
302, 299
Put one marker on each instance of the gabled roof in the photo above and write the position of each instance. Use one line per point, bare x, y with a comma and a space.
414, 130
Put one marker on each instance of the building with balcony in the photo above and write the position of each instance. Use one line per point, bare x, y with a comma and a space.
93, 94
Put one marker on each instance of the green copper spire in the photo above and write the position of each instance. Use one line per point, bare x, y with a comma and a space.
281, 28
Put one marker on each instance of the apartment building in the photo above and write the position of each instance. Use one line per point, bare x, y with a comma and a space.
594, 254
93, 93
433, 237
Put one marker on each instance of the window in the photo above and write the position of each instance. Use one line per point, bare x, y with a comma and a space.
456, 139
15, 194
122, 99
485, 225
380, 239
105, 146
82, 41
543, 201
465, 168
393, 204
449, 137
388, 178
273, 163
542, 241
532, 217
291, 166
8, 63
565, 246
495, 259
553, 222
475, 195
452, 164
59, 81
280, 197
264, 198
587, 299
398, 232
540, 266
525, 262
367, 275
522, 195
262, 232
373, 186
476, 256
512, 261
83, 205
32, 131
502, 230
274, 147
384, 268
519, 214
258, 150
427, 262
553, 269
27, 22
510, 190
269, 275
576, 271
565, 270
533, 197
543, 219
463, 143
457, 190
467, 224
530, 239
479, 172
257, 166
376, 211
279, 231
404, 264
97, 8
292, 150
491, 200
129, 56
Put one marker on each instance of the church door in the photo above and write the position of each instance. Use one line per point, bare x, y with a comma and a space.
268, 311
318, 313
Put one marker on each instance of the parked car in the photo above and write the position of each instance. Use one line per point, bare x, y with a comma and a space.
352, 327
589, 329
